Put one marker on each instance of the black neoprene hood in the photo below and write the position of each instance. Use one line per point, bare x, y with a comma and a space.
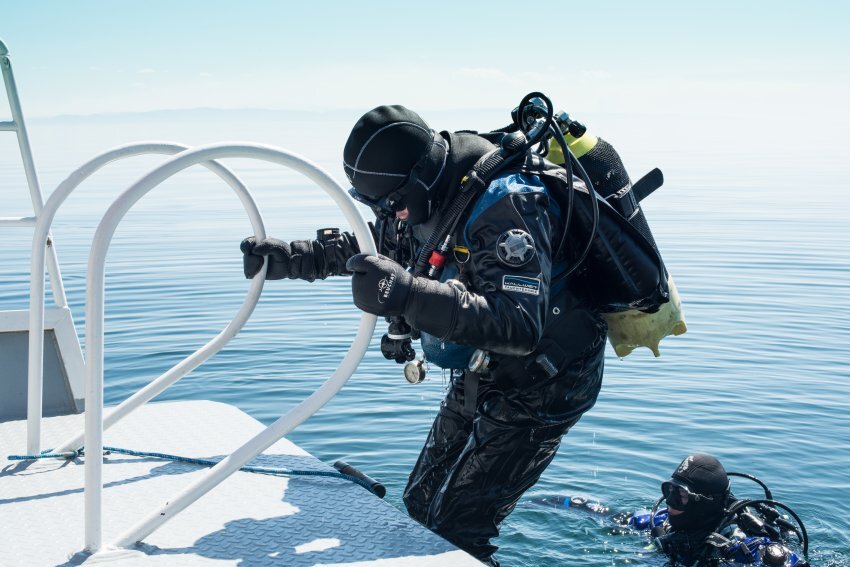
391, 149
703, 474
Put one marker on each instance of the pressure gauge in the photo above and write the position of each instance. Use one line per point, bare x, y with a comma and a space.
479, 361
414, 371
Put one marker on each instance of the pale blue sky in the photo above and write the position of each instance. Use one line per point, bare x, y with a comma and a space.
781, 59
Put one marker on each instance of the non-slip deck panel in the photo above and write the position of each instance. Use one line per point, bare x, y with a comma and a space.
250, 519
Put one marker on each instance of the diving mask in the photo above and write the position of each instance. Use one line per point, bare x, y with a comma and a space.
679, 496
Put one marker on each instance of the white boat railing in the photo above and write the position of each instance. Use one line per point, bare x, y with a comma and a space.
18, 126
43, 254
36, 340
94, 422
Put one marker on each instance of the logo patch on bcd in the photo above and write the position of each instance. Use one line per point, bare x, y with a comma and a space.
515, 248
521, 284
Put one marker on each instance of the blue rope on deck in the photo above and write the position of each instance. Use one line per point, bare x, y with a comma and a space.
46, 454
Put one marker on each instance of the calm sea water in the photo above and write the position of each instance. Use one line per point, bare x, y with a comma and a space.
756, 235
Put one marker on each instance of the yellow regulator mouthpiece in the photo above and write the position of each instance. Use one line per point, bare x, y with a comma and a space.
628, 330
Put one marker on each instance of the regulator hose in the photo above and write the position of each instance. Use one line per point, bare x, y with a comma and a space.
571, 161
479, 176
535, 131
767, 493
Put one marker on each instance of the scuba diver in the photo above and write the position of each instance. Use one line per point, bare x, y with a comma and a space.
705, 525
501, 263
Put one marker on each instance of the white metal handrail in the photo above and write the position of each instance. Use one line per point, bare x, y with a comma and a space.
94, 334
36, 340
19, 127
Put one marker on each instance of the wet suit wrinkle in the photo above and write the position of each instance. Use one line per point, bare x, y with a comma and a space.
448, 436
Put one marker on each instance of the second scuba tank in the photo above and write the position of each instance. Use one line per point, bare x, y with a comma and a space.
629, 329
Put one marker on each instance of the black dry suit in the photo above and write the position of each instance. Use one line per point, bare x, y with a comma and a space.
500, 292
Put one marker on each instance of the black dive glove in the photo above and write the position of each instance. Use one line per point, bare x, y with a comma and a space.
379, 285
384, 288
300, 259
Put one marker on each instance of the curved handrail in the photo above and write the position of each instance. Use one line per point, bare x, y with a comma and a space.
94, 338
39, 241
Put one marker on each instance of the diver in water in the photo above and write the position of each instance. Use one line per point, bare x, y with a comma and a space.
697, 496
478, 259
705, 525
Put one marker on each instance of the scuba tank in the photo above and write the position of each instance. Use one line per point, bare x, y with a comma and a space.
631, 328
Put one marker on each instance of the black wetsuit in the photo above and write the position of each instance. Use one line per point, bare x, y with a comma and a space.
497, 430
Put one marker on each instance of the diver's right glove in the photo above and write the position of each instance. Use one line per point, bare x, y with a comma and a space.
300, 259
379, 285
384, 288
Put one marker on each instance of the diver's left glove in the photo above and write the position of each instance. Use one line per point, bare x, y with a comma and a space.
300, 259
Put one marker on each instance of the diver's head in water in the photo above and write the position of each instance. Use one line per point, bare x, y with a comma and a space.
394, 161
696, 494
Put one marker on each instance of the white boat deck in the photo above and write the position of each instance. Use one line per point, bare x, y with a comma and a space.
249, 520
